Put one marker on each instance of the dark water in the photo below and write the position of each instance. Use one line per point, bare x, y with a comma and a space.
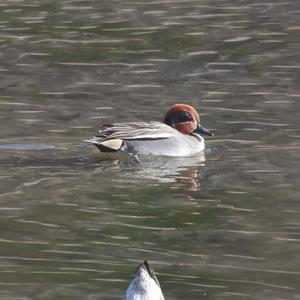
74, 225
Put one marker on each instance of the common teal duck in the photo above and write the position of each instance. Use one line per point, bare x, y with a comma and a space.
178, 135
144, 285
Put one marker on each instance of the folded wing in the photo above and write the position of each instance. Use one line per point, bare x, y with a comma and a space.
111, 138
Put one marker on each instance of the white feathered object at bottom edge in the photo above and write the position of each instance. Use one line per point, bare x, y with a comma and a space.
144, 285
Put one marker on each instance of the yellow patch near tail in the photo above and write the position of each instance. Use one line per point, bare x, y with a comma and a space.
114, 144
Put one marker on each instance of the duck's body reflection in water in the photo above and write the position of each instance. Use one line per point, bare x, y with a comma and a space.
180, 171
144, 285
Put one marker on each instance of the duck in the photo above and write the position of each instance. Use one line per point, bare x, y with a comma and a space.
180, 134
144, 285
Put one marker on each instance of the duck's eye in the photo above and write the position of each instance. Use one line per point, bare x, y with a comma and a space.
178, 116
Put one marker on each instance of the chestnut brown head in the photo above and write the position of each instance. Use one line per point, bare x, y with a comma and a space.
185, 119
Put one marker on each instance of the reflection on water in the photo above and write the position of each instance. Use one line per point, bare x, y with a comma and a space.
26, 146
74, 224
176, 170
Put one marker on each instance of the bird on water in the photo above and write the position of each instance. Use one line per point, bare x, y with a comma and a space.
144, 285
180, 134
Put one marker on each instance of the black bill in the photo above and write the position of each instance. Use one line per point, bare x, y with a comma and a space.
200, 129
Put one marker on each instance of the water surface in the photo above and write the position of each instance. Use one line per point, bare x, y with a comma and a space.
75, 224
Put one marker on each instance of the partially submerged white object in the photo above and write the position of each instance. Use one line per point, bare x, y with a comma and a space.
144, 285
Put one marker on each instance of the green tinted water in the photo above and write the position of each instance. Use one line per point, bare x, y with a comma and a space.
75, 224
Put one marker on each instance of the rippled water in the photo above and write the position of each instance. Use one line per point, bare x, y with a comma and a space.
75, 224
